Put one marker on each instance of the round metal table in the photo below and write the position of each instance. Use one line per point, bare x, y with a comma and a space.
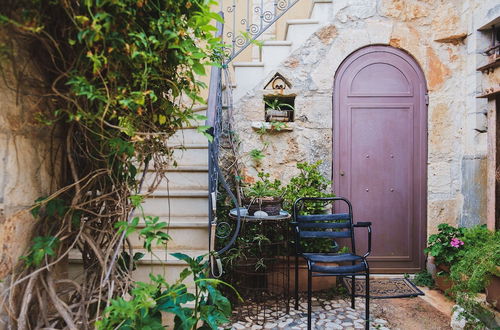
261, 272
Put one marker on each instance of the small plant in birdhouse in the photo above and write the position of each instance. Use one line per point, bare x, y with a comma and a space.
279, 110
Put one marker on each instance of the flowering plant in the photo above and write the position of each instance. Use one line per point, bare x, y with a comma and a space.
456, 243
445, 245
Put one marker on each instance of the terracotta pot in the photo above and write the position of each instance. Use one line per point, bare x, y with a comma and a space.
443, 282
318, 283
270, 205
493, 292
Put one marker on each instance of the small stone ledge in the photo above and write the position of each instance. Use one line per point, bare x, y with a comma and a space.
453, 39
258, 125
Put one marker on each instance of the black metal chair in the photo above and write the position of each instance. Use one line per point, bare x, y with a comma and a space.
331, 226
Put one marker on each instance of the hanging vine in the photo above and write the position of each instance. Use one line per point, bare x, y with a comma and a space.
117, 77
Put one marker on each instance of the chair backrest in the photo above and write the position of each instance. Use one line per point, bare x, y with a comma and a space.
333, 226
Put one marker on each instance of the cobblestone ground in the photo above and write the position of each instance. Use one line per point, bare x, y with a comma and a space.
327, 314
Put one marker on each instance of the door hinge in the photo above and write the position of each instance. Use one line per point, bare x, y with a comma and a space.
426, 99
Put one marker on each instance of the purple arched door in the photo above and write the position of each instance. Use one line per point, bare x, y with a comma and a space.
380, 153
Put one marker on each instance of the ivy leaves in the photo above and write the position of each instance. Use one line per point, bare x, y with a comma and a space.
42, 246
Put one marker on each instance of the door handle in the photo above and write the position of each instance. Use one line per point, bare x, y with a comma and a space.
342, 173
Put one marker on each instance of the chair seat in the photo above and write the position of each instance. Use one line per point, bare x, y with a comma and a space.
338, 269
316, 258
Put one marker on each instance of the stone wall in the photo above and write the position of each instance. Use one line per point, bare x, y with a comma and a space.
442, 37
27, 166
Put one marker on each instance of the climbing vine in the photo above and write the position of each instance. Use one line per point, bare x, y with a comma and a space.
116, 78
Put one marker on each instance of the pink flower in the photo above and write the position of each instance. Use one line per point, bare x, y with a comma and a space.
456, 243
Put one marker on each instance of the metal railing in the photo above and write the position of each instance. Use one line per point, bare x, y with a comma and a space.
267, 13
215, 175
249, 22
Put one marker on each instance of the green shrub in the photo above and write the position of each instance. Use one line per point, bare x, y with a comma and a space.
148, 300
424, 278
309, 183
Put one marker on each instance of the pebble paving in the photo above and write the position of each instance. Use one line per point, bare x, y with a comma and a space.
327, 314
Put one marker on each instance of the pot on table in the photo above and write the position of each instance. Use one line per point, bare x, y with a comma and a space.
270, 205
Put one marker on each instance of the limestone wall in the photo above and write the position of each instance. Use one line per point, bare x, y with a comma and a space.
27, 167
442, 36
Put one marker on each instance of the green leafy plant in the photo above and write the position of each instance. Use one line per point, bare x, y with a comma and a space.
148, 300
441, 245
424, 278
256, 155
477, 262
276, 104
309, 183
263, 187
42, 247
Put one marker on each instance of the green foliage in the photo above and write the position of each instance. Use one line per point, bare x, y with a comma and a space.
263, 187
148, 300
116, 78
152, 233
55, 207
276, 104
308, 183
473, 263
477, 262
424, 278
256, 155
42, 247
278, 125
439, 245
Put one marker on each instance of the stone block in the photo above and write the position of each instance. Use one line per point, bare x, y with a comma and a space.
405, 10
352, 10
442, 211
379, 31
439, 178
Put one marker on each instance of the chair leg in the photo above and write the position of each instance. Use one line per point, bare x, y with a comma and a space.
309, 300
353, 289
296, 282
367, 301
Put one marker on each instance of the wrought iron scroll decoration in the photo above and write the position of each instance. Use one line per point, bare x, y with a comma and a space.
251, 27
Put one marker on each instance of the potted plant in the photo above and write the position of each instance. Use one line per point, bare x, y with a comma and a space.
278, 111
264, 195
478, 268
444, 247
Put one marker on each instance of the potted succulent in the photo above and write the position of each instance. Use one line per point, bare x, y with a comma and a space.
278, 111
445, 247
264, 195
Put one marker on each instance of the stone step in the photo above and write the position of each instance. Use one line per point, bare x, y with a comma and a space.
321, 10
191, 155
274, 52
159, 262
177, 204
184, 236
187, 136
299, 30
179, 180
247, 76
